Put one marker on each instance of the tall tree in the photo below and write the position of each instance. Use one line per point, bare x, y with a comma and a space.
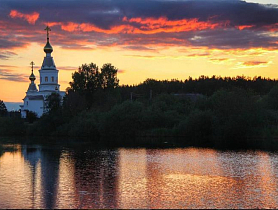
89, 82
109, 78
86, 79
3, 108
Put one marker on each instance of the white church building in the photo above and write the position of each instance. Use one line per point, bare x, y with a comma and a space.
35, 100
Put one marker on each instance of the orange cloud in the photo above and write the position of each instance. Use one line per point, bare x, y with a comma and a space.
162, 24
30, 18
242, 27
252, 64
272, 28
146, 26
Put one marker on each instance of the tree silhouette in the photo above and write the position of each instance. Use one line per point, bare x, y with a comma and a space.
88, 81
3, 109
109, 78
53, 102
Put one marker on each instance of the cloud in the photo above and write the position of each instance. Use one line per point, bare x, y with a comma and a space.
68, 68
138, 48
255, 63
206, 54
139, 24
30, 18
252, 64
221, 60
5, 55
121, 71
10, 75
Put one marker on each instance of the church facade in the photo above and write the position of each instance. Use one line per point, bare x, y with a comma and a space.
35, 99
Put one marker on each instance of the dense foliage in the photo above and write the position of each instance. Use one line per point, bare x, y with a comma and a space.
207, 110
3, 109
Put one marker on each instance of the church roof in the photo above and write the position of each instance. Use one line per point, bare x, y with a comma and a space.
38, 97
48, 62
32, 87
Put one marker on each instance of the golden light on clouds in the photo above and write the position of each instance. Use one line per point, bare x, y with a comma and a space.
165, 40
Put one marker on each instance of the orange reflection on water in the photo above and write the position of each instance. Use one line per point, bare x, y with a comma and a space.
67, 196
20, 182
267, 185
175, 178
132, 188
137, 178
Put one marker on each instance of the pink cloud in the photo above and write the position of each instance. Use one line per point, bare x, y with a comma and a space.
146, 26
30, 18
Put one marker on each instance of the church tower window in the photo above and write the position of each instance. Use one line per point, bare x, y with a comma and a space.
46, 79
52, 79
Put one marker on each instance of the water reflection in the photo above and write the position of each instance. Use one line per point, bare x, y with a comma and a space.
40, 177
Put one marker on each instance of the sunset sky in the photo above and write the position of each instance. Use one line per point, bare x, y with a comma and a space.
160, 39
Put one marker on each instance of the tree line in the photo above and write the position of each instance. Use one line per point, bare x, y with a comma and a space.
204, 111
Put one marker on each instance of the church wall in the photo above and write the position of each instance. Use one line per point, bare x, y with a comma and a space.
36, 106
49, 80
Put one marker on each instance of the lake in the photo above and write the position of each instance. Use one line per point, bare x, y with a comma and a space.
36, 176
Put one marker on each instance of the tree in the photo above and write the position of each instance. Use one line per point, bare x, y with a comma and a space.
88, 81
31, 116
3, 109
109, 78
73, 103
53, 103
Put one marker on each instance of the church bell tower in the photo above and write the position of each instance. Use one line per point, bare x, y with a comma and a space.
48, 71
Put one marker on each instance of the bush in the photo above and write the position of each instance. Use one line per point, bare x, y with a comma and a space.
237, 114
12, 126
197, 126
123, 120
84, 124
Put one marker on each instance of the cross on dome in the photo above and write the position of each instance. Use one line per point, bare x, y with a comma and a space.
48, 48
47, 29
32, 76
32, 64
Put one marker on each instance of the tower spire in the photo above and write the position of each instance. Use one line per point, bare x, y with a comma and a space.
48, 48
32, 76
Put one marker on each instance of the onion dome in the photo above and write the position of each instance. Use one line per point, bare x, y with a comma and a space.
32, 77
48, 48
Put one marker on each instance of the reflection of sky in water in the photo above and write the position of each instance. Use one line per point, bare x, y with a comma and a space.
138, 178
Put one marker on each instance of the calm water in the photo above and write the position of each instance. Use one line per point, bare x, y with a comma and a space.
43, 177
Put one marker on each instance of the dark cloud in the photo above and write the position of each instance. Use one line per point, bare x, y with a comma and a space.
139, 48
5, 55
233, 39
84, 24
6, 74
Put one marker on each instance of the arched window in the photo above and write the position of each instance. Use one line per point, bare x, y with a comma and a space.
27, 103
46, 79
52, 79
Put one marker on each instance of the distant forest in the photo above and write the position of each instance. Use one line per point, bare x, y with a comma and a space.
208, 111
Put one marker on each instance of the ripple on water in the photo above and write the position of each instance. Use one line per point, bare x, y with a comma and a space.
138, 178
